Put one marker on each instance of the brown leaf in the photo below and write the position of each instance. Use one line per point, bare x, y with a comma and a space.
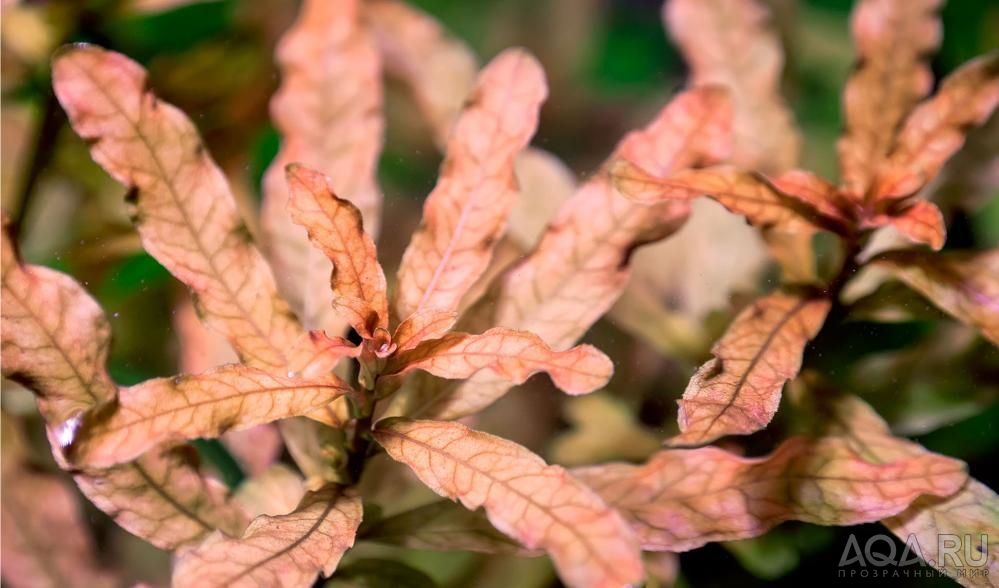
288, 550
443, 526
738, 391
467, 211
936, 129
334, 225
439, 69
541, 506
164, 498
181, 203
922, 222
580, 265
684, 498
321, 354
962, 284
55, 338
893, 38
188, 407
329, 113
733, 43
505, 354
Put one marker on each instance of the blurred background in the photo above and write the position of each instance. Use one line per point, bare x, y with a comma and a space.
610, 68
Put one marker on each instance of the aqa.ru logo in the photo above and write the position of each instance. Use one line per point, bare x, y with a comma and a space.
958, 557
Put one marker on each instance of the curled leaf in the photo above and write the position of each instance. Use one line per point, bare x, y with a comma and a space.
936, 128
733, 43
893, 38
963, 284
541, 506
739, 390
423, 326
288, 550
922, 222
684, 498
467, 211
328, 111
335, 226
187, 407
180, 200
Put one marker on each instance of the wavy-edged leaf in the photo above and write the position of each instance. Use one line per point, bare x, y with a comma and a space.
541, 506
961, 283
467, 211
438, 67
970, 512
505, 354
157, 411
164, 498
287, 550
580, 265
936, 128
55, 338
734, 44
893, 38
328, 111
335, 226
684, 498
181, 203
971, 515
323, 354
738, 391
443, 526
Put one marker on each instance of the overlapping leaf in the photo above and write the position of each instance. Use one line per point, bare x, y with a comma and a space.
188, 407
336, 228
288, 550
739, 390
892, 38
963, 284
733, 43
466, 212
684, 498
181, 203
328, 111
541, 506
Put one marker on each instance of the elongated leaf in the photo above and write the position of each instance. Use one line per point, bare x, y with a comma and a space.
936, 129
971, 513
893, 38
288, 550
684, 498
541, 506
733, 43
438, 67
738, 391
328, 111
181, 203
963, 284
443, 526
164, 498
467, 211
580, 265
55, 338
506, 354
187, 407
335, 226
